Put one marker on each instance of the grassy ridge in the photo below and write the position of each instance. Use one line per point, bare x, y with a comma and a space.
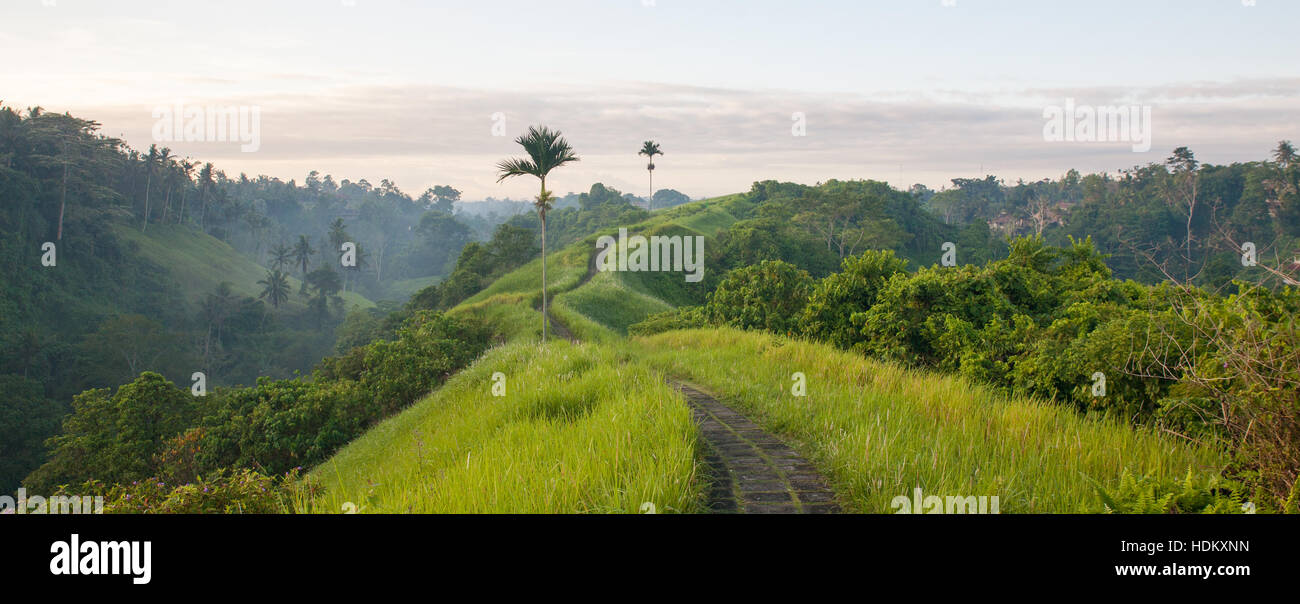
879, 430
591, 428
199, 263
580, 429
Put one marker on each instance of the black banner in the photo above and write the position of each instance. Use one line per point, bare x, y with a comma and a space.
326, 552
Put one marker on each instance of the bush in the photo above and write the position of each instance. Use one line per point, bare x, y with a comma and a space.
770, 296
115, 438
238, 492
428, 349
852, 290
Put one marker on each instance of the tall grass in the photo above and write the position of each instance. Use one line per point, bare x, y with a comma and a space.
879, 431
610, 302
580, 429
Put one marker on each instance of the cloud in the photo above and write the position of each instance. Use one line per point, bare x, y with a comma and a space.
718, 140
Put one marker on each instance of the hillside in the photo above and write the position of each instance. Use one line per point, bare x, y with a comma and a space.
552, 443
199, 262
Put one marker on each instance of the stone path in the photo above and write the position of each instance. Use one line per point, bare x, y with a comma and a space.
753, 472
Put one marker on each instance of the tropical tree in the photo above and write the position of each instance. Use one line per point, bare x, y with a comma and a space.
148, 182
187, 170
302, 252
338, 234
281, 255
546, 150
650, 149
275, 287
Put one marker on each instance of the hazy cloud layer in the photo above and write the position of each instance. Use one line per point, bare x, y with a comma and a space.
716, 140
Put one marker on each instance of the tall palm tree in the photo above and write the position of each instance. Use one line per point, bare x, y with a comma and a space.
650, 149
148, 182
276, 287
546, 150
302, 252
165, 162
187, 170
281, 255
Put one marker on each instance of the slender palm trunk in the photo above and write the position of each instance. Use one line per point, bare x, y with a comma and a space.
650, 203
148, 184
63, 199
542, 212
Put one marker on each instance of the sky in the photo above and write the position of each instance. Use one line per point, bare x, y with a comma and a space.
905, 91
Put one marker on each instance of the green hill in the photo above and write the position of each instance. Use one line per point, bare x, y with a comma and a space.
588, 427
199, 263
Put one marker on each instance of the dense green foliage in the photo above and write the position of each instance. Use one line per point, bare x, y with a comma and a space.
150, 428
238, 492
769, 295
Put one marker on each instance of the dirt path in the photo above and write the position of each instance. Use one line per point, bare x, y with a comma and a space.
752, 471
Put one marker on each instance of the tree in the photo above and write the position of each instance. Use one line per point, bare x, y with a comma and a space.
1184, 191
770, 296
546, 150
275, 288
302, 253
324, 285
187, 170
650, 149
115, 438
338, 235
447, 197
1284, 154
281, 255
206, 183
148, 182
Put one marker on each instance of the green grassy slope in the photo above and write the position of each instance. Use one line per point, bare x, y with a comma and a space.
199, 263
879, 431
579, 429
875, 430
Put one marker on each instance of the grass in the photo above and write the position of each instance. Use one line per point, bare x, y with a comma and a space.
510, 315
564, 270
402, 289
878, 430
610, 302
593, 428
199, 262
581, 429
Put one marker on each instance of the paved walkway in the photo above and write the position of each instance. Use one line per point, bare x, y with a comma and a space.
753, 472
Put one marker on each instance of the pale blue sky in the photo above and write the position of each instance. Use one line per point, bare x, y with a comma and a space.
904, 90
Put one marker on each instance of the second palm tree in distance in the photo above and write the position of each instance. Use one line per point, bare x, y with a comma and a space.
650, 149
546, 151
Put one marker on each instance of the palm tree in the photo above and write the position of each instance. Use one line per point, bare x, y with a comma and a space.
148, 182
165, 162
338, 234
187, 169
650, 149
546, 150
281, 255
276, 289
302, 252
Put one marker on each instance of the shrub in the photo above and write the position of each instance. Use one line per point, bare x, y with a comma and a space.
769, 295
237, 492
854, 289
115, 437
428, 349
